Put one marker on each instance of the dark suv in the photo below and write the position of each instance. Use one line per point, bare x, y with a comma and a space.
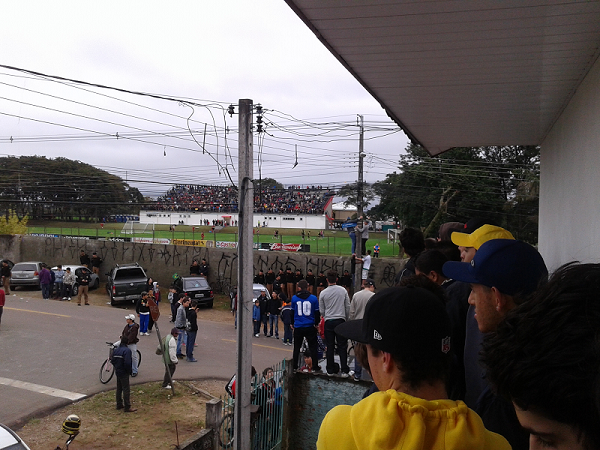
125, 283
197, 288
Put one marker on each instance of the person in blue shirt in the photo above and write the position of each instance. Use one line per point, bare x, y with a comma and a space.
306, 320
256, 317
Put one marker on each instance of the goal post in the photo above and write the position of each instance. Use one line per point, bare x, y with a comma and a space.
136, 227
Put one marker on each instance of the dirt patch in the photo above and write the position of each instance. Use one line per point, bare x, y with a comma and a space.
152, 427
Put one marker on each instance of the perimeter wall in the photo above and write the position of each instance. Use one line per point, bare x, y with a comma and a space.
161, 261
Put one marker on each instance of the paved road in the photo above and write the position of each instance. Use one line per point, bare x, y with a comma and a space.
51, 352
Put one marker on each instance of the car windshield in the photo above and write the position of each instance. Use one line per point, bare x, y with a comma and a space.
135, 272
256, 293
199, 283
25, 266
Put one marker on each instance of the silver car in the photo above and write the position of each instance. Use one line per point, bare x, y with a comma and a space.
9, 440
26, 274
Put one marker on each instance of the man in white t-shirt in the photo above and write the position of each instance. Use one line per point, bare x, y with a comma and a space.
366, 262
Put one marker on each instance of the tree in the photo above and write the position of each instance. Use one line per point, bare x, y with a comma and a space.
60, 188
350, 191
12, 224
267, 183
495, 183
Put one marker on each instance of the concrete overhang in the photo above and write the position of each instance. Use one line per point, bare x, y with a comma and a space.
463, 73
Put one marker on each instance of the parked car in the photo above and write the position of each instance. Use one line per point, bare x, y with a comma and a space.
10, 441
257, 289
197, 288
26, 274
78, 271
125, 283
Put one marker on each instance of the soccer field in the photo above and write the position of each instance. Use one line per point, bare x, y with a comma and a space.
334, 242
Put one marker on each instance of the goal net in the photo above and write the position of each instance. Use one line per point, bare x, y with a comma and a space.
135, 227
393, 235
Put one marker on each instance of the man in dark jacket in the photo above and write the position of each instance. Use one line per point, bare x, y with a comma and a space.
121, 360
264, 318
84, 259
130, 332
273, 310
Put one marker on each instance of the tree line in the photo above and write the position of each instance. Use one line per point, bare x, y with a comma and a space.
63, 189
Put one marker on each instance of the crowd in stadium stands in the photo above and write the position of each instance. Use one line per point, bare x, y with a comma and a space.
294, 199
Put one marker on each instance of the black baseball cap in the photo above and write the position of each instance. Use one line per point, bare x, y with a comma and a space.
370, 282
407, 321
513, 267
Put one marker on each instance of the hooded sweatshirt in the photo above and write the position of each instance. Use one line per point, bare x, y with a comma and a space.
393, 420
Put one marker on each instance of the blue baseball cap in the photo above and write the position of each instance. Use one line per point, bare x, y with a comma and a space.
513, 267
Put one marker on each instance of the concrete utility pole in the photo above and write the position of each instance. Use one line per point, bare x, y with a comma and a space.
359, 203
244, 302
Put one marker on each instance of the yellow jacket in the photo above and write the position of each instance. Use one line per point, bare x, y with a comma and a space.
393, 420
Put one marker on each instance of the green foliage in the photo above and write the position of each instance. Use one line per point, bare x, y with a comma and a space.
350, 192
12, 224
499, 184
267, 183
61, 188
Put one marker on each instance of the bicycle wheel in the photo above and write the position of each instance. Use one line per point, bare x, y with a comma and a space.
139, 355
106, 371
225, 431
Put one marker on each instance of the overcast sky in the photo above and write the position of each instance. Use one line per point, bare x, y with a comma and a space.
211, 53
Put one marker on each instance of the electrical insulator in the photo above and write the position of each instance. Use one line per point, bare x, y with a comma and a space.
259, 128
258, 119
231, 110
259, 109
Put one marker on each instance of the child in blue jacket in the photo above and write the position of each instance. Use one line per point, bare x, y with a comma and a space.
256, 318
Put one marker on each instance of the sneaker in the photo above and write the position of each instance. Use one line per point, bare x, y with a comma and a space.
168, 386
331, 374
64, 298
69, 299
130, 410
351, 373
276, 337
356, 378
192, 360
133, 375
344, 375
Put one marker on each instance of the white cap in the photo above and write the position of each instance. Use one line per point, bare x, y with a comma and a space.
130, 317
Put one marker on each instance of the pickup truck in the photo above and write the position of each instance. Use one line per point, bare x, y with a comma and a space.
125, 283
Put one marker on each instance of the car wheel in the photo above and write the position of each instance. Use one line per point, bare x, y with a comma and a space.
210, 304
112, 302
75, 290
96, 284
12, 288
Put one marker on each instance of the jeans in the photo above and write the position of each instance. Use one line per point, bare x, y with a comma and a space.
353, 239
170, 369
189, 346
256, 324
310, 333
144, 319
134, 358
287, 334
357, 369
123, 391
59, 289
265, 320
331, 338
180, 339
45, 291
274, 319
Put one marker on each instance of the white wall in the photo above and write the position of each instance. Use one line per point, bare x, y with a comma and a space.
569, 227
316, 222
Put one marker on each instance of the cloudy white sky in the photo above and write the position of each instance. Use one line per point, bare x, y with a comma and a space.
209, 52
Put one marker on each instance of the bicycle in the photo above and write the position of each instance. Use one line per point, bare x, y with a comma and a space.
107, 370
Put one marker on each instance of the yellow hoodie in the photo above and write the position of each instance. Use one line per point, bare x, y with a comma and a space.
393, 420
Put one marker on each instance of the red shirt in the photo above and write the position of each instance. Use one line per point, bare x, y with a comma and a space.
2, 297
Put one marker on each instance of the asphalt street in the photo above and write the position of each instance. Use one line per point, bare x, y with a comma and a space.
51, 353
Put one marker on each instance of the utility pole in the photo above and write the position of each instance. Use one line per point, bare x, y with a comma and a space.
359, 203
244, 302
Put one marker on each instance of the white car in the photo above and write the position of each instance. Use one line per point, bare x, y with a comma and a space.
10, 441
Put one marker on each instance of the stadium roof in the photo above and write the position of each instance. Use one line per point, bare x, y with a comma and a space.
460, 73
